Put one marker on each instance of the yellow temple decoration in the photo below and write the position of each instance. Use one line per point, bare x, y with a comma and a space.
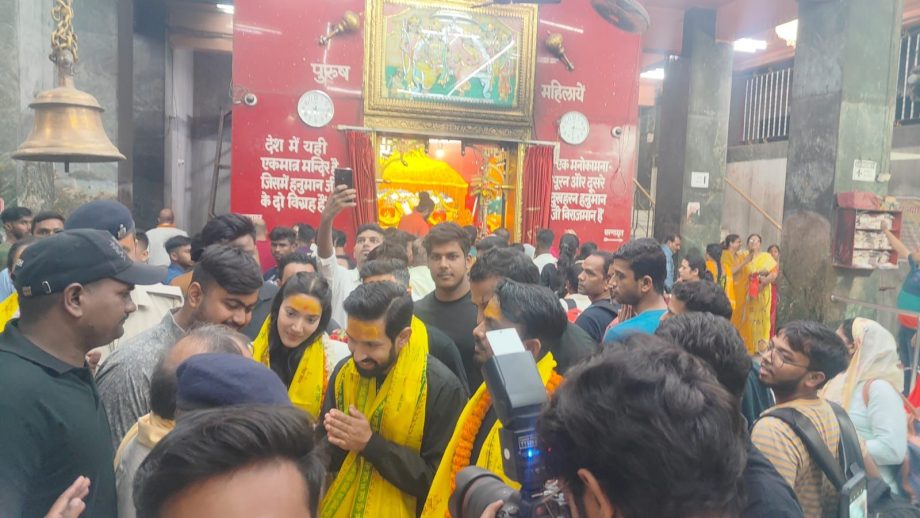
404, 175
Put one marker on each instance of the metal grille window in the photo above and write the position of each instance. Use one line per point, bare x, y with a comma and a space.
766, 105
906, 110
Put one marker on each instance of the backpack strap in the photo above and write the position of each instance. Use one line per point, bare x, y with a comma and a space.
816, 447
851, 456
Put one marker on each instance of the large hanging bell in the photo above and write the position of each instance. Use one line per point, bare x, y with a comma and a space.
67, 128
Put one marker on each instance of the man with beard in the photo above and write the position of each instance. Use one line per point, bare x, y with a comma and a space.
75, 294
224, 290
389, 409
368, 237
801, 359
504, 263
534, 312
637, 278
449, 307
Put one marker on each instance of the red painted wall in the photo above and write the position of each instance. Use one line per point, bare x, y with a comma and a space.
275, 43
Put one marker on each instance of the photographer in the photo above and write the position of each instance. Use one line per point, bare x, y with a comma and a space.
534, 312
644, 430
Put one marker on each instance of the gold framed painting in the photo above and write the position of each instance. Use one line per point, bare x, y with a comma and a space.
449, 61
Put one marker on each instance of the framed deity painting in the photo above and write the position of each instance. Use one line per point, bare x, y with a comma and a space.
450, 60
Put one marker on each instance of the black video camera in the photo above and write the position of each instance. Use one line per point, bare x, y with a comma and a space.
518, 396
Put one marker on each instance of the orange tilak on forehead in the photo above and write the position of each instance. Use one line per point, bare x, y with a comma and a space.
492, 310
305, 304
364, 331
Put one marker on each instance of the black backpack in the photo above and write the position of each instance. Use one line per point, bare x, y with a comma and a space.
850, 465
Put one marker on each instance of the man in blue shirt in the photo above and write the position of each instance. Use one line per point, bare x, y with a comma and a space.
638, 274
670, 248
179, 250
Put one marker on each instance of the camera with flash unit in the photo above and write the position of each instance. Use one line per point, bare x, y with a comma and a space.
518, 396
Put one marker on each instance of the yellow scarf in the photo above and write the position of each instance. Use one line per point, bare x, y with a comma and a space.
8, 308
309, 384
461, 444
396, 411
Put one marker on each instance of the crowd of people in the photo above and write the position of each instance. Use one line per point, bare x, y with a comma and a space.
246, 372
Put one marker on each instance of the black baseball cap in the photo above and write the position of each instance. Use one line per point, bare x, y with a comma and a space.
78, 256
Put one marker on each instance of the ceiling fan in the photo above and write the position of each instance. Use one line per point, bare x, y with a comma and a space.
628, 15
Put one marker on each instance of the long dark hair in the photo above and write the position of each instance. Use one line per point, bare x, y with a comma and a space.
696, 262
284, 361
568, 247
729, 239
714, 251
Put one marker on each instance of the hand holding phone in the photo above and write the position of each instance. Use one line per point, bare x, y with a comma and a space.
345, 176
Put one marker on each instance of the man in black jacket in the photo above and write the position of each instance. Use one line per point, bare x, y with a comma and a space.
370, 422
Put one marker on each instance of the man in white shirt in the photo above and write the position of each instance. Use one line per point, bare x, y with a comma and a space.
542, 255
343, 281
157, 237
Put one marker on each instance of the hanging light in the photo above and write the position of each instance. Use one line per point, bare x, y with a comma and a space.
68, 122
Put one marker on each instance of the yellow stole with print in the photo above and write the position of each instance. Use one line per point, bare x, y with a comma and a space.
396, 411
8, 308
308, 387
460, 448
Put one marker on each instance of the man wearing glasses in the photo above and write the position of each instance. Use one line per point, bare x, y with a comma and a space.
801, 358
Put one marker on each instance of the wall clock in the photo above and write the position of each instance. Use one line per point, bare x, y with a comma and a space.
573, 128
315, 108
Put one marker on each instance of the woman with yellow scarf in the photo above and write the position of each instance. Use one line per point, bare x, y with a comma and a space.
759, 270
293, 342
9, 307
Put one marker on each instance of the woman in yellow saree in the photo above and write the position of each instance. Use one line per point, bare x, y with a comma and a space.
732, 265
720, 274
294, 344
759, 272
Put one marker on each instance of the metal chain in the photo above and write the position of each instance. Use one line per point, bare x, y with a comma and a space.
63, 37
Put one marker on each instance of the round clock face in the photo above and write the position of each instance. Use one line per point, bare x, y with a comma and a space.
573, 128
315, 108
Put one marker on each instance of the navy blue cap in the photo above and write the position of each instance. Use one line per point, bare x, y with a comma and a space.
78, 256
107, 215
214, 380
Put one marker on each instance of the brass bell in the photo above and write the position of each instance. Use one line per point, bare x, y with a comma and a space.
68, 122
67, 128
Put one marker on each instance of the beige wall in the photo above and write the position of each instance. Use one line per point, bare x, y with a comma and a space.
764, 181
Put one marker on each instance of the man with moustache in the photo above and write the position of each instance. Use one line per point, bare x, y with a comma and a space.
224, 290
389, 409
75, 294
152, 301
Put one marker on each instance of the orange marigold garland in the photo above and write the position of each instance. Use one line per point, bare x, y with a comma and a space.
464, 452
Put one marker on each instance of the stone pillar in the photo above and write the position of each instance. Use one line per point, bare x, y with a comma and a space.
842, 109
693, 135
148, 112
